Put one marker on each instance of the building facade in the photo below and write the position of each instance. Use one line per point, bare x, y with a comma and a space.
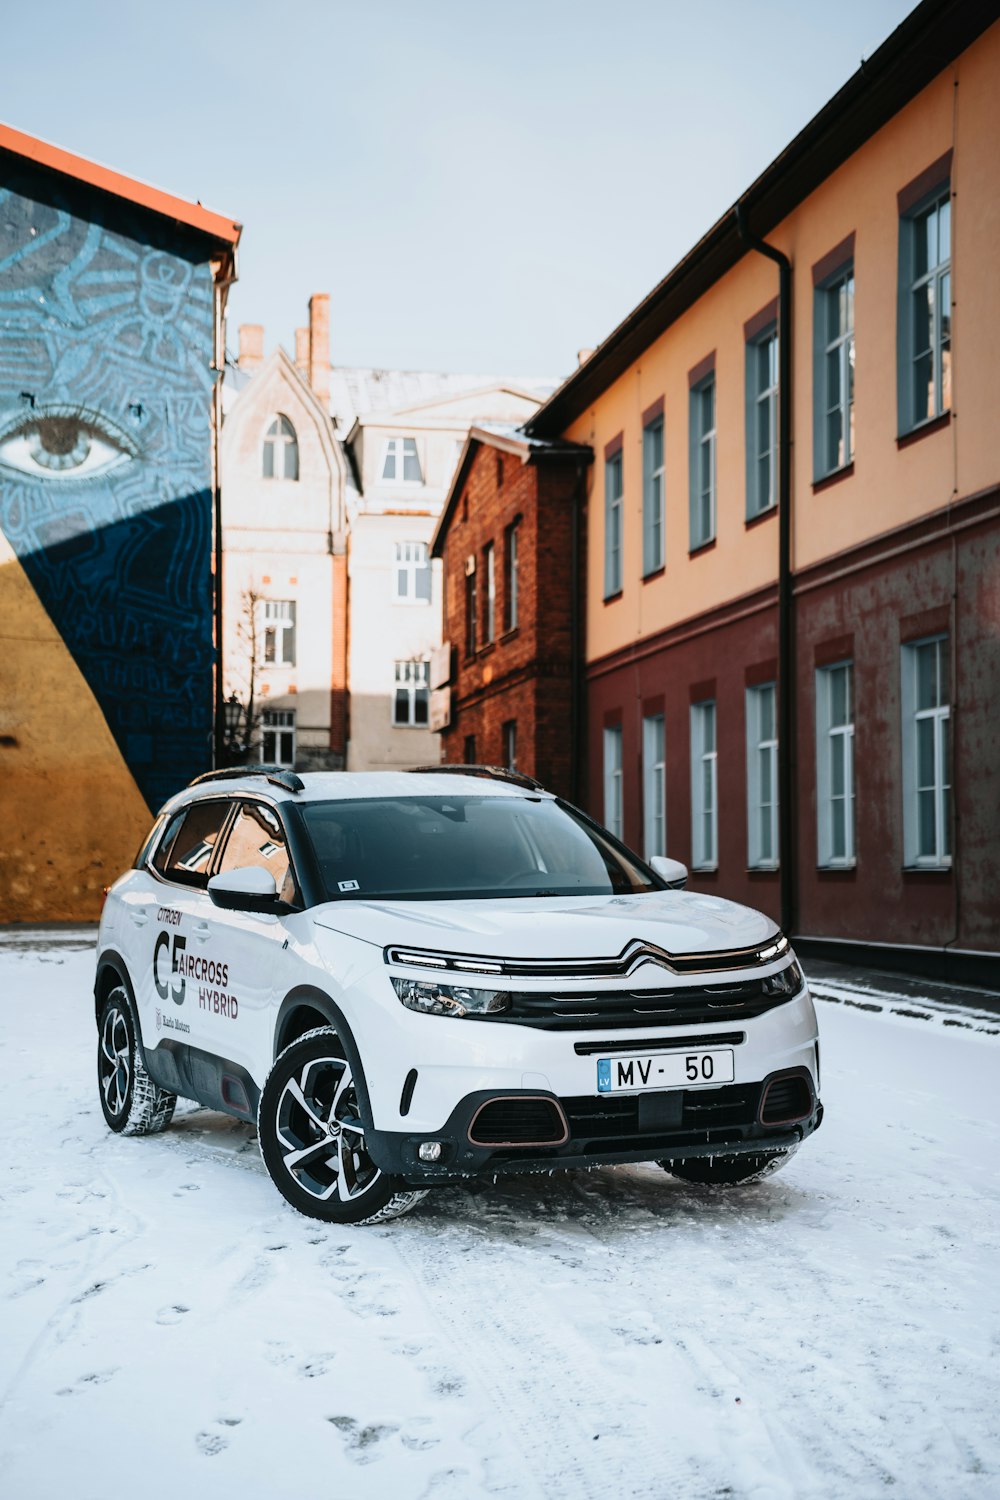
864, 612
112, 297
285, 478
511, 540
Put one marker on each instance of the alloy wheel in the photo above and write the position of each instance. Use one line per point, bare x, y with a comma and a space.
320, 1134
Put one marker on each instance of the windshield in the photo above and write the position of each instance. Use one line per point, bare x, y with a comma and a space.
449, 848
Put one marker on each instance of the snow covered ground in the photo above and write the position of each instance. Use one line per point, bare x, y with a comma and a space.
168, 1327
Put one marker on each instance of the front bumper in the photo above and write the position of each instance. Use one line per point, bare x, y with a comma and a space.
601, 1130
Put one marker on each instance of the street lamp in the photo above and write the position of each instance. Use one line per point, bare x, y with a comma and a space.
233, 713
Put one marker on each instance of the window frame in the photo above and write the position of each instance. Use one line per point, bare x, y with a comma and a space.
490, 592
281, 627
287, 442
760, 346
757, 808
614, 808
471, 613
843, 346
415, 679
288, 726
614, 522
512, 579
909, 284
653, 496
411, 567
940, 717
399, 457
654, 785
509, 741
704, 852
833, 740
702, 439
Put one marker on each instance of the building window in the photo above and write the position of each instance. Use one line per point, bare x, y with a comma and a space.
490, 602
471, 633
410, 703
925, 311
412, 574
613, 779
469, 750
762, 778
510, 744
278, 737
277, 625
654, 789
281, 450
833, 373
613, 491
704, 787
762, 421
401, 462
835, 764
652, 497
926, 753
702, 462
511, 565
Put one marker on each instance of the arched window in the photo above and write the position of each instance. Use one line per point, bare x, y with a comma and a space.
281, 450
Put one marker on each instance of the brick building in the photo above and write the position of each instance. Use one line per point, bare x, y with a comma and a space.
512, 542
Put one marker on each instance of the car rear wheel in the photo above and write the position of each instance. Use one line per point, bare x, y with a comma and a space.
312, 1137
728, 1171
132, 1103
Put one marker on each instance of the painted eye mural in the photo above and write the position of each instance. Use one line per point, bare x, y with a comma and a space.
63, 443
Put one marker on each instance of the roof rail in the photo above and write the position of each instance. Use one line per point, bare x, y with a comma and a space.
279, 775
495, 773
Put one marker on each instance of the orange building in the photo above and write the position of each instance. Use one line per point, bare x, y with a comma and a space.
793, 570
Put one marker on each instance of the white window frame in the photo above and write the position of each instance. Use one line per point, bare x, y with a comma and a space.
490, 618
704, 778
411, 679
702, 450
762, 396
653, 551
397, 450
282, 444
836, 350
935, 281
762, 753
834, 746
278, 730
654, 785
276, 619
939, 717
511, 566
411, 560
613, 810
614, 515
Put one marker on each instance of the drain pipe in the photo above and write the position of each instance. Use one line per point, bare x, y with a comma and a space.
578, 501
787, 842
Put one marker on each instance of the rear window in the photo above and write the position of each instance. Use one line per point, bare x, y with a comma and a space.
185, 852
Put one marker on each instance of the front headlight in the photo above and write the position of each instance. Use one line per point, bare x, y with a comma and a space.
787, 981
434, 999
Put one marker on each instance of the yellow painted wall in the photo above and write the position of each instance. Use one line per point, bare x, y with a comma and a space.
960, 110
71, 814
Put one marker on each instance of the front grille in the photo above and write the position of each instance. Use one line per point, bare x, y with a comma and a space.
619, 1009
786, 1099
602, 1121
518, 1122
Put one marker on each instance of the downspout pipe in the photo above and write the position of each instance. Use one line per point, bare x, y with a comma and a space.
575, 711
787, 805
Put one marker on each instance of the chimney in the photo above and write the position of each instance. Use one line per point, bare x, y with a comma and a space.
302, 351
251, 355
319, 345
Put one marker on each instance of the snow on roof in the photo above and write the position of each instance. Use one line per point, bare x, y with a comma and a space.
358, 391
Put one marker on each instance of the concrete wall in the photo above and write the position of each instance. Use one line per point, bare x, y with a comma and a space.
106, 650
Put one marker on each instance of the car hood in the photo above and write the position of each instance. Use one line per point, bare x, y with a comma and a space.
553, 927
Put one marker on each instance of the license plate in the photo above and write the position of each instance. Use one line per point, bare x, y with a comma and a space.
663, 1070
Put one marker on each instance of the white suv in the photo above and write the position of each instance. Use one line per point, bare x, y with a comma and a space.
414, 978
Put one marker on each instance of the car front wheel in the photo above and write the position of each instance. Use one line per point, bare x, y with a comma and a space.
728, 1171
312, 1137
132, 1103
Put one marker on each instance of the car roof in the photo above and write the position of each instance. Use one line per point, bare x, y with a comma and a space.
329, 786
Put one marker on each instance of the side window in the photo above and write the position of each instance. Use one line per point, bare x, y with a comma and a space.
186, 851
258, 839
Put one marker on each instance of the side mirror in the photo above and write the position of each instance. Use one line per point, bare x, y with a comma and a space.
247, 889
670, 870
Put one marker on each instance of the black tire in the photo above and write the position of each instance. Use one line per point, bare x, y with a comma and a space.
132, 1103
729, 1171
312, 1137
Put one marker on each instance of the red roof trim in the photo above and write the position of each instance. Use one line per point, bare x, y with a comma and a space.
179, 209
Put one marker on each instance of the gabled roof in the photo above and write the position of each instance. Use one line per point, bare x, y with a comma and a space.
918, 50
225, 232
364, 391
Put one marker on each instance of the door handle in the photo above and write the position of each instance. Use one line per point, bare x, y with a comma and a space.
140, 918
202, 931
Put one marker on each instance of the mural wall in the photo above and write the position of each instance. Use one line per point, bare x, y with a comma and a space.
106, 642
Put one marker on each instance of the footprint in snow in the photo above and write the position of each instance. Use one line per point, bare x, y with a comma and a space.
210, 1443
172, 1313
88, 1382
362, 1442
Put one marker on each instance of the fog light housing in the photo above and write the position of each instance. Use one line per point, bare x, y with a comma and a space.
430, 1150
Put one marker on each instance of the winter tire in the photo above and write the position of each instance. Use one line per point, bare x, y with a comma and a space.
132, 1103
312, 1137
729, 1171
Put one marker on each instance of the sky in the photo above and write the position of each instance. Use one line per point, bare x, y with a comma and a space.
479, 187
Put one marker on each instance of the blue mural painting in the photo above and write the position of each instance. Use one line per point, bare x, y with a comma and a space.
106, 333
